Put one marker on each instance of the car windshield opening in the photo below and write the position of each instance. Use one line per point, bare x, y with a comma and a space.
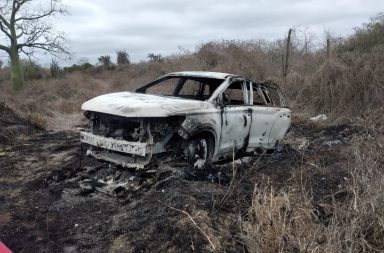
197, 88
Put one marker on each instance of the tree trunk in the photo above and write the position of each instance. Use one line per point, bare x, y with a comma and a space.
17, 75
286, 58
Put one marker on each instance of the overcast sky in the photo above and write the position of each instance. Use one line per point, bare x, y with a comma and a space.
100, 27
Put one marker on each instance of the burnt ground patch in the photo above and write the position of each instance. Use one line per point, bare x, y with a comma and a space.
13, 127
44, 208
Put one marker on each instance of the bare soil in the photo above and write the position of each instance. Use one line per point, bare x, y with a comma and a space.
44, 209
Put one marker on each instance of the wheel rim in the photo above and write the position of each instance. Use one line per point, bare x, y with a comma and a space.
202, 149
199, 152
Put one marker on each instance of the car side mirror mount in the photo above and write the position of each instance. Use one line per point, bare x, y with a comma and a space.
220, 101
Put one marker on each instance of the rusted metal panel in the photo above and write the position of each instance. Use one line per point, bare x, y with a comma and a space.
135, 148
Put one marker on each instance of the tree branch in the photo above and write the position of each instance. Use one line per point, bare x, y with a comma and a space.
16, 5
28, 54
35, 17
3, 20
4, 30
20, 3
50, 47
50, 12
4, 48
5, 5
24, 27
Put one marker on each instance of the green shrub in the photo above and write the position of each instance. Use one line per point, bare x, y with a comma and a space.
75, 67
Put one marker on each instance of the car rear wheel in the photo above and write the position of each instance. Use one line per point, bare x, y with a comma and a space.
200, 152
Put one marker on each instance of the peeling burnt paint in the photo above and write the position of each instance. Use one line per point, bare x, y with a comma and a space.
130, 127
136, 148
245, 120
128, 104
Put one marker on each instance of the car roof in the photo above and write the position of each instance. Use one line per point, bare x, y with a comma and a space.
207, 74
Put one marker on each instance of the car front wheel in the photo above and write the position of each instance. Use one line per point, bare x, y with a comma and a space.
200, 152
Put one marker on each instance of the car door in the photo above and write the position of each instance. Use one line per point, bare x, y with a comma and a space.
236, 117
262, 119
282, 116
268, 120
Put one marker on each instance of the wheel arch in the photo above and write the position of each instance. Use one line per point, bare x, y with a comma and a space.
207, 132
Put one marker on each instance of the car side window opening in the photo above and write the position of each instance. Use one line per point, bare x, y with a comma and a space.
245, 89
257, 97
236, 94
275, 97
268, 100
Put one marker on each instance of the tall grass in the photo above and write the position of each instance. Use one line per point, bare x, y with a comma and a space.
348, 83
289, 220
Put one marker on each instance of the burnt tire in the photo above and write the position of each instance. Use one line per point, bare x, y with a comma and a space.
200, 152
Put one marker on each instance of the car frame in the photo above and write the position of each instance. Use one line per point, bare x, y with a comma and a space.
202, 117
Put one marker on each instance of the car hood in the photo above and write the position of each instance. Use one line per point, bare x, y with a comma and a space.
129, 104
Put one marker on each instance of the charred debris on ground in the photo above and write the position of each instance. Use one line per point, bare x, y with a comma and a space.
98, 207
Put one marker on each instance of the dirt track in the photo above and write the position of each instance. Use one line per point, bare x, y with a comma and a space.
42, 208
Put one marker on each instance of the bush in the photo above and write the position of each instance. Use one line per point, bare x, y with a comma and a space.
122, 57
208, 53
155, 57
56, 71
32, 70
75, 67
106, 62
366, 37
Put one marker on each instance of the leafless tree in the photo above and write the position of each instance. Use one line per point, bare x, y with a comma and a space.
26, 29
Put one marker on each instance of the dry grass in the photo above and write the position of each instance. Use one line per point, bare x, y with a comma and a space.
349, 86
287, 220
54, 104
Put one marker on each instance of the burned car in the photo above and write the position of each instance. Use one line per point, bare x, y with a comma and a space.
201, 117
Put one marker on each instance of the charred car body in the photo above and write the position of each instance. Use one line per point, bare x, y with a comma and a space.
201, 116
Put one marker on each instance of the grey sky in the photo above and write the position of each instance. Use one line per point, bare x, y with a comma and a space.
100, 27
